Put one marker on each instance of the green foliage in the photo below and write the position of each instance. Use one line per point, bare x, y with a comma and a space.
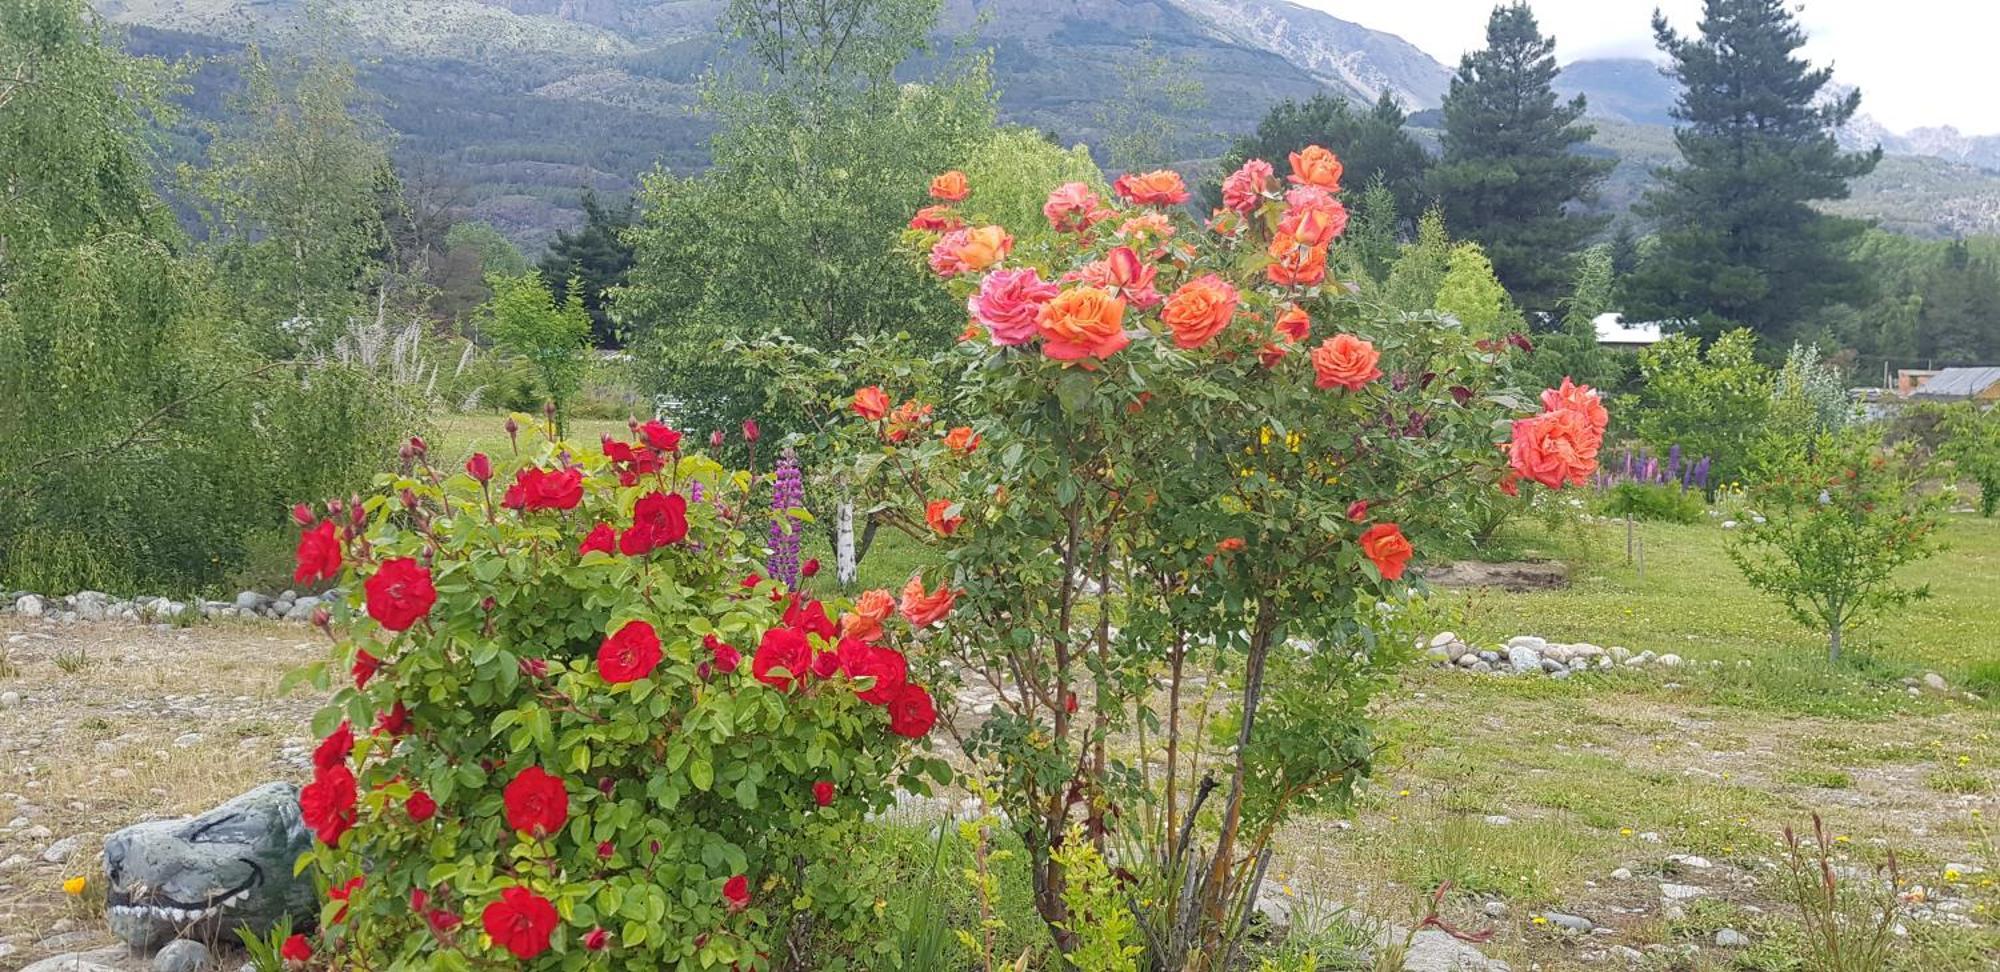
1571, 350
594, 261
1740, 243
675, 777
289, 192
1665, 502
525, 319
1372, 239
1711, 404
1840, 518
1374, 148
1011, 171
496, 253
1099, 918
1850, 922
1511, 177
1470, 293
1420, 269
1141, 121
1812, 391
1972, 444
796, 228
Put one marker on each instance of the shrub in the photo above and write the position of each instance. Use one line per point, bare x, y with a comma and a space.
1972, 443
1163, 457
525, 319
1840, 516
549, 738
1709, 403
1652, 501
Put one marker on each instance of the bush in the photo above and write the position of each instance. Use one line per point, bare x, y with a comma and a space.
1972, 443
566, 753
1652, 501
1711, 404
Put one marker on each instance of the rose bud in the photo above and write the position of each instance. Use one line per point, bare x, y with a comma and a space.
715, 439
322, 618
417, 445
604, 851
405, 454
597, 939
334, 506
549, 410
823, 793
479, 467
750, 430
488, 604
409, 500
1357, 510
809, 568
419, 900
302, 514
513, 428
533, 667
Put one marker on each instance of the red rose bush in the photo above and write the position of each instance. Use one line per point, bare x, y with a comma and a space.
1196, 451
544, 744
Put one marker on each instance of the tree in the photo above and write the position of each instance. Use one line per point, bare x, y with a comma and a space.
1571, 350
1011, 171
1841, 515
1955, 323
1139, 123
1972, 443
1369, 247
293, 196
1510, 176
1372, 144
1421, 267
1740, 243
796, 228
597, 257
1470, 293
1712, 404
525, 317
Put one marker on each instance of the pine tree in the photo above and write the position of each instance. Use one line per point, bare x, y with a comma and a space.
1370, 244
1740, 243
1510, 173
597, 257
1371, 144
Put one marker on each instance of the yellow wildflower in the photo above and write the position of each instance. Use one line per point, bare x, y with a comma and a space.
74, 886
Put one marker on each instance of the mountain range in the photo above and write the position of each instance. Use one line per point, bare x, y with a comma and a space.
521, 104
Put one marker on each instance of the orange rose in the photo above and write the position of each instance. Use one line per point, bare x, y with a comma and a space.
1577, 398
1556, 447
984, 247
1387, 548
952, 187
1230, 545
1082, 323
870, 610
936, 219
961, 440
1294, 324
1293, 265
923, 609
907, 418
1199, 310
1316, 166
935, 514
871, 403
1345, 361
1160, 188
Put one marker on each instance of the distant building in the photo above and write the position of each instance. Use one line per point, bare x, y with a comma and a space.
1908, 379
1613, 332
1960, 385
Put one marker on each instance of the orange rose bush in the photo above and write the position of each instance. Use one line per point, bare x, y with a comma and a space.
1198, 454
571, 726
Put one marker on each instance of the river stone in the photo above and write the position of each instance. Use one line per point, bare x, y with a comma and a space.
1731, 938
29, 606
1523, 656
72, 962
182, 956
1569, 923
204, 877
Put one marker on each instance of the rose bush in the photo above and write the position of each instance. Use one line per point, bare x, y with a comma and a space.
1196, 455
544, 750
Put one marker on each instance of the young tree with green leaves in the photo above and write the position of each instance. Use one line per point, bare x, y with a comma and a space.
1421, 266
1372, 239
1712, 404
1510, 176
553, 334
1972, 444
1140, 123
1471, 293
597, 256
1740, 243
1571, 350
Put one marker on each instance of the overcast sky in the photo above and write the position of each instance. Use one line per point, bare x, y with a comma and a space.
1917, 62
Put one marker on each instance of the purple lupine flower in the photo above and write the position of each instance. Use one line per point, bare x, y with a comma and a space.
1674, 462
695, 492
788, 492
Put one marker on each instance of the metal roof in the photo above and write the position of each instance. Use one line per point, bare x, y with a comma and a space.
1612, 329
1957, 383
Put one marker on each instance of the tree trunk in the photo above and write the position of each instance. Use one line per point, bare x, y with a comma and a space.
845, 569
1833, 645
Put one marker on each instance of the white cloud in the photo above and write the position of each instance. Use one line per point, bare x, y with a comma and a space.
1917, 62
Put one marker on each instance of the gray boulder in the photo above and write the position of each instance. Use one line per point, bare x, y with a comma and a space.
204, 877
29, 606
182, 956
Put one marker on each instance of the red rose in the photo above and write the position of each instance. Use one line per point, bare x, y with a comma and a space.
629, 655
537, 803
886, 666
871, 403
520, 922
296, 949
809, 616
724, 656
751, 432
319, 554
736, 892
911, 712
823, 793
540, 489
334, 748
399, 593
826, 664
810, 568
605, 850
479, 467
596, 939
420, 806
365, 667
394, 721
658, 519
327, 803
660, 437
341, 893
601, 538
441, 921
782, 648
1386, 546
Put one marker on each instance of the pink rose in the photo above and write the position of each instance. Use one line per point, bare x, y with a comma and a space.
1008, 303
1243, 191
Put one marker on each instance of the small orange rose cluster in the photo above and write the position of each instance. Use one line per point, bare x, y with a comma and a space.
1560, 445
